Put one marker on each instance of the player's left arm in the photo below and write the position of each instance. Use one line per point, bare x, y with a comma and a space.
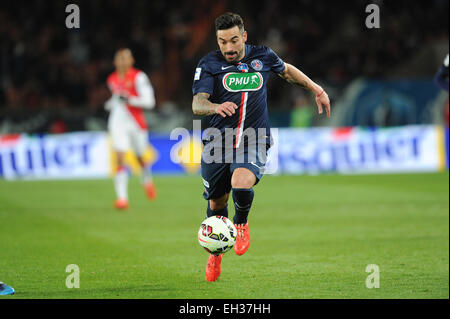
441, 77
146, 95
295, 76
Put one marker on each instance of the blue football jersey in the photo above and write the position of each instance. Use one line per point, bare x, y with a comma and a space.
243, 83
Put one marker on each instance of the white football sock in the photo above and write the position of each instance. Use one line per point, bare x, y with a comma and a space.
146, 175
121, 183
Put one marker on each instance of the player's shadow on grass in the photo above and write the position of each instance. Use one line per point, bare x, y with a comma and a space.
91, 293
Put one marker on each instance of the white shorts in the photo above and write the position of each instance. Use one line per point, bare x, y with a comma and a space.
134, 139
126, 133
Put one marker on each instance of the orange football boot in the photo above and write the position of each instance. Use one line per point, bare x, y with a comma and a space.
213, 267
121, 204
150, 190
242, 239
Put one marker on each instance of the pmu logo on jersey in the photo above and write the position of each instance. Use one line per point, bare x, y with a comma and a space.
237, 82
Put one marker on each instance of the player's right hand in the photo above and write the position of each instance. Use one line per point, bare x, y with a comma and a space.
226, 108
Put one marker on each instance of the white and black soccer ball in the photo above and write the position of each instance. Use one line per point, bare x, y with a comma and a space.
217, 235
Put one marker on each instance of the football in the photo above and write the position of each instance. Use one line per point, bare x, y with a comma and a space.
217, 235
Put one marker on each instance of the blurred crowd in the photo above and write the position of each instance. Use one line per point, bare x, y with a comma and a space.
45, 67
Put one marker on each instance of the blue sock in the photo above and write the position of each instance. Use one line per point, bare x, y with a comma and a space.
242, 198
220, 212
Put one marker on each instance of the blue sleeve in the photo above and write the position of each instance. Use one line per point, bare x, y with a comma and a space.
276, 64
203, 79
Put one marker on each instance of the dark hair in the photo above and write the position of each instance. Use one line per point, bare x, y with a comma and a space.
229, 20
120, 49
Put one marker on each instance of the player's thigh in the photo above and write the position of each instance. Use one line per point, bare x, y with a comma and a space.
247, 173
139, 141
120, 139
216, 180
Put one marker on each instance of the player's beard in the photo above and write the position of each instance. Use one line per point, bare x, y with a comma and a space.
236, 56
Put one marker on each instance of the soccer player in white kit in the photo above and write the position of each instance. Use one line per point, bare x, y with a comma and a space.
132, 93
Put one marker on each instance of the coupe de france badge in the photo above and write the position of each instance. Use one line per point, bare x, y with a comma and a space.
257, 65
243, 67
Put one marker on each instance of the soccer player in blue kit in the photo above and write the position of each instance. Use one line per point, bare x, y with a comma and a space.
5, 289
230, 88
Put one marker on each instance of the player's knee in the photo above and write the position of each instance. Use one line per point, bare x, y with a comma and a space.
243, 178
218, 204
141, 161
120, 159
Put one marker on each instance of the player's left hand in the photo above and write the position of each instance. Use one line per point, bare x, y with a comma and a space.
323, 100
123, 98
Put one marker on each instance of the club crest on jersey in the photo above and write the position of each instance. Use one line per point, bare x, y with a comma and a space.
237, 82
257, 65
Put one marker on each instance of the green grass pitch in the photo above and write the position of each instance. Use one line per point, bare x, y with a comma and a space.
311, 237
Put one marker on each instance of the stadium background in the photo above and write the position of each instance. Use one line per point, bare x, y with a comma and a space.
53, 78
388, 116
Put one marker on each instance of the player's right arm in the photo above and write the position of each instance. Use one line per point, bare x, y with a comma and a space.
202, 89
112, 101
201, 105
